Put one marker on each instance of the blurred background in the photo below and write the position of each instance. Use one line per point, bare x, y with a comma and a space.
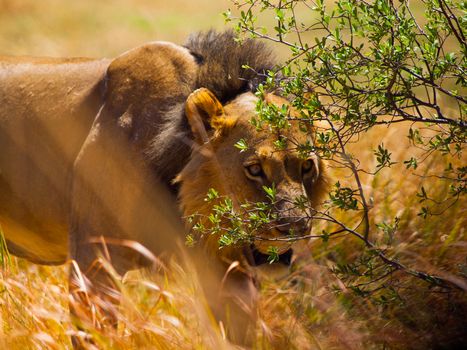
103, 28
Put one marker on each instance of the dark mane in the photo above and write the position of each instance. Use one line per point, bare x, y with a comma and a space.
221, 59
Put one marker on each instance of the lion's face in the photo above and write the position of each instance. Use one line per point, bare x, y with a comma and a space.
217, 163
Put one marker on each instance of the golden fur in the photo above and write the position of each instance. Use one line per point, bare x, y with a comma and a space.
216, 163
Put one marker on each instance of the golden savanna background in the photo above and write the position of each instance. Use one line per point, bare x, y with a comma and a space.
100, 28
310, 308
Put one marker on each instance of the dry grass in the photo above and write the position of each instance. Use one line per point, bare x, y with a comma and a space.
302, 311
100, 28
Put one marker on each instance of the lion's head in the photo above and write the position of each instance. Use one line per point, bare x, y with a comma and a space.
217, 163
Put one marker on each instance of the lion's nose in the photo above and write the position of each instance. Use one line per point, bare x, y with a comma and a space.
291, 220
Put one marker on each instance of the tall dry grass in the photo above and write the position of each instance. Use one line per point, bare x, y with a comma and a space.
308, 309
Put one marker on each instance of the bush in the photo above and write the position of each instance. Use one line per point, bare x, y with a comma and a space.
371, 64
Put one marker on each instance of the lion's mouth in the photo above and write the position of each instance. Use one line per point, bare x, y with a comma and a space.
257, 258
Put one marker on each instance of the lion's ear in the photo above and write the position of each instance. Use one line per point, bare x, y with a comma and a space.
204, 111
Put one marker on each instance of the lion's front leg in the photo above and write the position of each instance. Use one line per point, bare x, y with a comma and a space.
240, 303
232, 296
94, 295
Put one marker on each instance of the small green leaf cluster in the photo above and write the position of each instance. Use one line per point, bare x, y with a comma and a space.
233, 226
344, 197
367, 277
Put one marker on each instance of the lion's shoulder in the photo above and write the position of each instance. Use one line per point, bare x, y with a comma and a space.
154, 73
161, 71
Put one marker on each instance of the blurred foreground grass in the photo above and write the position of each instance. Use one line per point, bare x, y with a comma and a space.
311, 308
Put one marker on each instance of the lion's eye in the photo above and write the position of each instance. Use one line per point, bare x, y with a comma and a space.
307, 166
254, 170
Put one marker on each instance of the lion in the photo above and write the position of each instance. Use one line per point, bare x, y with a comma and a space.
242, 176
100, 155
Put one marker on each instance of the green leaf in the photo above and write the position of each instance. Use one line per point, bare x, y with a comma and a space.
241, 145
273, 254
